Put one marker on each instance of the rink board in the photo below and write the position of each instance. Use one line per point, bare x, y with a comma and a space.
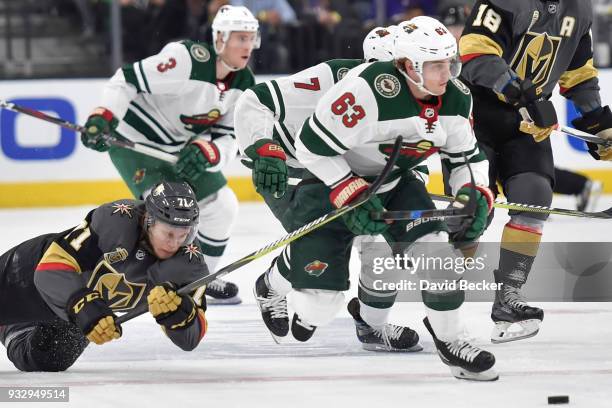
44, 165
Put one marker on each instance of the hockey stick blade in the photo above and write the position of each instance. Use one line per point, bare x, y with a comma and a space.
467, 210
292, 236
605, 214
112, 140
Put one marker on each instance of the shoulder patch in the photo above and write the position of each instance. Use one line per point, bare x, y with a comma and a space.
461, 86
342, 73
387, 85
193, 251
199, 53
122, 209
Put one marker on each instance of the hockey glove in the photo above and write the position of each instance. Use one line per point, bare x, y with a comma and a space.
91, 314
470, 228
542, 117
196, 158
597, 122
358, 220
99, 124
171, 310
269, 167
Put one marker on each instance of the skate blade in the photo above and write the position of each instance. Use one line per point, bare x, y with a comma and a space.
234, 300
383, 349
463, 374
502, 334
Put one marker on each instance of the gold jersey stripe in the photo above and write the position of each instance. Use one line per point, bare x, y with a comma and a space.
478, 44
57, 254
574, 77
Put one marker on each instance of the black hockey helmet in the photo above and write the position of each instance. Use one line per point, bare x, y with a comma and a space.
454, 15
174, 204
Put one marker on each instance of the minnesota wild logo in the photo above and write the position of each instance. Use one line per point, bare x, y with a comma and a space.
316, 268
411, 154
387, 85
200, 122
139, 175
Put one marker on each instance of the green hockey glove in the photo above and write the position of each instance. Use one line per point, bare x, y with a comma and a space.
269, 167
358, 220
100, 123
196, 158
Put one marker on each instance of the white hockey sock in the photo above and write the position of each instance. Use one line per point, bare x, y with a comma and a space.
277, 281
447, 325
373, 316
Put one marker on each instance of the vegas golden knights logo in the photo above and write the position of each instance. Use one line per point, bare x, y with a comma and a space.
535, 57
119, 293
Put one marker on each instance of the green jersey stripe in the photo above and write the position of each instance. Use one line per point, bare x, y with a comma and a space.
279, 134
152, 119
264, 96
144, 78
313, 142
457, 155
142, 127
474, 159
281, 102
130, 76
329, 134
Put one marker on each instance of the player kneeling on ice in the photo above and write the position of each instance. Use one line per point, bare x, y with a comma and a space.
60, 291
345, 143
182, 101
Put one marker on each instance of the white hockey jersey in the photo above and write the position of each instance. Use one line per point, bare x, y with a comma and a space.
277, 109
170, 98
356, 122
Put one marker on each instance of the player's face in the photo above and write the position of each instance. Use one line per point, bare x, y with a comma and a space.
239, 47
436, 75
166, 239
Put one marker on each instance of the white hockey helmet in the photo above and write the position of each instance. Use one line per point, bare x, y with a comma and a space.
234, 18
378, 44
424, 39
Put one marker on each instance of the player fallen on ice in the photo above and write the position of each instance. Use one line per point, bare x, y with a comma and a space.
514, 53
345, 143
60, 291
182, 101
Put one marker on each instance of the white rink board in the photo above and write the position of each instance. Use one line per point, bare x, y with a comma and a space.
80, 164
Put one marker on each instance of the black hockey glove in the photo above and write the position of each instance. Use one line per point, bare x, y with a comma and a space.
597, 122
91, 314
171, 310
542, 114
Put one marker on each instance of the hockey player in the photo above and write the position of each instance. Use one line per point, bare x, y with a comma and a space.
346, 142
271, 114
60, 291
514, 54
181, 101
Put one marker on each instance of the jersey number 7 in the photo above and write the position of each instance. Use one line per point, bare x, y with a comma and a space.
341, 105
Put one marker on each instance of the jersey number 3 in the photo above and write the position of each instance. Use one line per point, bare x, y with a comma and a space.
341, 106
163, 67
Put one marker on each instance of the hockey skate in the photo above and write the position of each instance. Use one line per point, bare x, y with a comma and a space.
273, 308
509, 308
466, 361
386, 338
220, 292
301, 330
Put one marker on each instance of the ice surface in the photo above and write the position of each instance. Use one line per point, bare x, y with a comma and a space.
238, 364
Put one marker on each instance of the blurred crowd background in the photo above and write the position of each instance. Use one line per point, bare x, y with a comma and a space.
91, 38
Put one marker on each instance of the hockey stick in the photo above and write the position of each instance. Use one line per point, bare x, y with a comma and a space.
126, 144
606, 214
467, 210
562, 129
292, 236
